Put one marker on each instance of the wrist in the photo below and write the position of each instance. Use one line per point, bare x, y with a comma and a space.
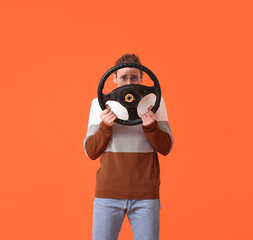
105, 127
151, 127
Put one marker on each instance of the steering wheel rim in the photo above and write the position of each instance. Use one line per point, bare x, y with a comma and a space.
152, 76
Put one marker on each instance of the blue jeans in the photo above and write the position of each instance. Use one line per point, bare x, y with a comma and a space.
143, 215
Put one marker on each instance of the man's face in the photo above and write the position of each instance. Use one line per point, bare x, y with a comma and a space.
127, 76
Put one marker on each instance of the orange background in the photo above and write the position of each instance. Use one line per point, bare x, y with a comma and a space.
53, 54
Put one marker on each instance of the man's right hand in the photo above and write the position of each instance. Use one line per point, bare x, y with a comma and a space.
107, 116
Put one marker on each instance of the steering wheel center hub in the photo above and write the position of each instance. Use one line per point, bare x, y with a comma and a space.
129, 98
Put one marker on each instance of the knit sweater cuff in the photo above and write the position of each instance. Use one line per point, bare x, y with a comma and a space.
151, 128
105, 127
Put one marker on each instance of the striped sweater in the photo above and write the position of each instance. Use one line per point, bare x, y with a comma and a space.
129, 166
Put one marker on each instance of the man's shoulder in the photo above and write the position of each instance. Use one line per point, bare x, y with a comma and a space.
95, 104
162, 102
94, 101
95, 111
162, 111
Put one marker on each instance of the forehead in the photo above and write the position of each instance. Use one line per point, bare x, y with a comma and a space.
128, 71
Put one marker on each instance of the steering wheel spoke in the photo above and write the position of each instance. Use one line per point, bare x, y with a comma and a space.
106, 97
145, 90
110, 96
132, 112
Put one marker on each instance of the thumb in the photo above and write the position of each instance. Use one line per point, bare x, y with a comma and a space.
150, 107
107, 106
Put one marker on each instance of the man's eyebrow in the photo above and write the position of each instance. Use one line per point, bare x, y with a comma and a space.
132, 75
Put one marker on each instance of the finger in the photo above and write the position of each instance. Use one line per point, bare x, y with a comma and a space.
145, 121
144, 118
106, 115
109, 114
114, 118
107, 106
152, 115
150, 107
148, 114
111, 120
111, 117
104, 112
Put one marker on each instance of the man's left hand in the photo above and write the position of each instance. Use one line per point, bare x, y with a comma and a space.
149, 117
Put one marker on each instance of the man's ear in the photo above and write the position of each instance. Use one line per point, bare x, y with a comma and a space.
114, 77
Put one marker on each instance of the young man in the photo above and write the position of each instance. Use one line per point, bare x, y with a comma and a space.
128, 179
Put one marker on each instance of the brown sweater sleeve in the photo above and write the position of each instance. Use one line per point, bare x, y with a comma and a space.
160, 140
96, 144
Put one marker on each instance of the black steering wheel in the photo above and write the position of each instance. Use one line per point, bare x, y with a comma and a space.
129, 95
